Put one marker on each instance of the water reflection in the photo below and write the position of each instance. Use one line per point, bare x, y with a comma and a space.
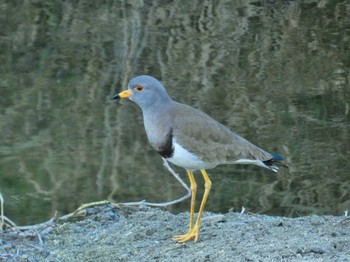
278, 74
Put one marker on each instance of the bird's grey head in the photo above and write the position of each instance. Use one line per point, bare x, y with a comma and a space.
145, 91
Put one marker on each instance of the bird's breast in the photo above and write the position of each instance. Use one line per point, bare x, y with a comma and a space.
160, 135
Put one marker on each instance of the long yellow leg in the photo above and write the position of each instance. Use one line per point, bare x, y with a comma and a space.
194, 232
193, 186
193, 198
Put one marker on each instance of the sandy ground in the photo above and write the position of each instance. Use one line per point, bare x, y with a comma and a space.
106, 233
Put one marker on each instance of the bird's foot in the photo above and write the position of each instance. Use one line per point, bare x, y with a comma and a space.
192, 233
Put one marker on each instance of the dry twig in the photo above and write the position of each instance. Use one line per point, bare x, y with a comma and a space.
4, 221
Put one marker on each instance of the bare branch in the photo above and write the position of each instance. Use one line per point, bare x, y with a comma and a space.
164, 204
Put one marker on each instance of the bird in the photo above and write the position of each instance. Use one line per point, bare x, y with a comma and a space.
191, 139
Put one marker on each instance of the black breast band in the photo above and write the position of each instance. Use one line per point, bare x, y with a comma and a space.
166, 149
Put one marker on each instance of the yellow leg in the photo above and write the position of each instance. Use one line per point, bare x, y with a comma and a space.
193, 186
194, 230
193, 198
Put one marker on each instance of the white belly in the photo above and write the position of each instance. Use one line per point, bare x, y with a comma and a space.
183, 158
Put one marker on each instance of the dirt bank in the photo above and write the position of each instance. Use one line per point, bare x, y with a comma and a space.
106, 233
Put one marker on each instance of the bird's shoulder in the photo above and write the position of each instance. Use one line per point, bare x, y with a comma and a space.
193, 123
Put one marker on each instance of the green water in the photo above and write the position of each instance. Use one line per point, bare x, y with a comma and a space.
276, 73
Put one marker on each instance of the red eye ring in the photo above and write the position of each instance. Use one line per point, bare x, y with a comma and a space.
139, 88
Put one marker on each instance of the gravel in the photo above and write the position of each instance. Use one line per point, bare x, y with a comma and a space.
108, 233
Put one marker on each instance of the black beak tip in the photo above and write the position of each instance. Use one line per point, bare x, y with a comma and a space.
116, 97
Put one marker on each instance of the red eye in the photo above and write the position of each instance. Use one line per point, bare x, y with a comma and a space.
139, 88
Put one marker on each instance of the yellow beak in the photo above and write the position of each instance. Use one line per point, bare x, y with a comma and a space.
124, 94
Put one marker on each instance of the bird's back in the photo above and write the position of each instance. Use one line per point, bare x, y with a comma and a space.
209, 140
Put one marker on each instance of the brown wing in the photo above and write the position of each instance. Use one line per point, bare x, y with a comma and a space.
210, 140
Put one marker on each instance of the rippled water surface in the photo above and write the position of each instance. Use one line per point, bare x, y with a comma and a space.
276, 73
